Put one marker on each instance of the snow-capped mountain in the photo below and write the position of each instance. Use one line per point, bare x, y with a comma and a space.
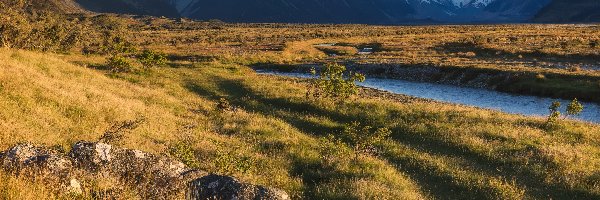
477, 11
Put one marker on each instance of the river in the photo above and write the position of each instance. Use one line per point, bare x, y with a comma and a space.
482, 98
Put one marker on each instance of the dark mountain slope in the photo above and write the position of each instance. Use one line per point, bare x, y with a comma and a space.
139, 7
302, 11
560, 11
514, 10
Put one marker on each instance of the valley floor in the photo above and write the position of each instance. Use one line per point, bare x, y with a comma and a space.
263, 130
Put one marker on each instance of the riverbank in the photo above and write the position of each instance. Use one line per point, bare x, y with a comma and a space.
554, 85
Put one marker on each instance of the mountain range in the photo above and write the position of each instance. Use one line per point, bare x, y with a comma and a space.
359, 11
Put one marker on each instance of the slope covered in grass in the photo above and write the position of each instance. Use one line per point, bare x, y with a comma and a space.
272, 135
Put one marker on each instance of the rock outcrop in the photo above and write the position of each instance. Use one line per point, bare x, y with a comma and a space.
155, 177
225, 187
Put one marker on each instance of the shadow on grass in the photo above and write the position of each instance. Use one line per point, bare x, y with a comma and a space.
440, 186
525, 177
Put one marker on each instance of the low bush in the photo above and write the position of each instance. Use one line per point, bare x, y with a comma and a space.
117, 64
150, 58
363, 138
554, 113
334, 82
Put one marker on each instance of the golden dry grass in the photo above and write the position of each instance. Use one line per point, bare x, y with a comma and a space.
278, 138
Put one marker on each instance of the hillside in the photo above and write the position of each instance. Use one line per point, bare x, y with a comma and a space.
515, 10
138, 7
56, 6
300, 11
570, 11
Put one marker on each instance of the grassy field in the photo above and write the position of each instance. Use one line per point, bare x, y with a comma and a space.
547, 60
276, 137
208, 108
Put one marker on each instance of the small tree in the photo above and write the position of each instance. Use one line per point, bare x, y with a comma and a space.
117, 48
333, 82
364, 138
554, 113
574, 108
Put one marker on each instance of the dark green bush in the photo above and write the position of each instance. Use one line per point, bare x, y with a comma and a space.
150, 58
334, 82
117, 64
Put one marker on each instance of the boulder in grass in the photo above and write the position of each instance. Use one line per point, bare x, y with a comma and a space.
154, 176
26, 156
229, 188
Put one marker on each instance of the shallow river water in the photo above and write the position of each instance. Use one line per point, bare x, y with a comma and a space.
482, 98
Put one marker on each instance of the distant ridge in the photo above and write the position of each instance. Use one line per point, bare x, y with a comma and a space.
344, 11
561, 11
138, 7
300, 11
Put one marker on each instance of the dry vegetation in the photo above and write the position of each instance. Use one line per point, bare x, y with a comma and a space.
208, 108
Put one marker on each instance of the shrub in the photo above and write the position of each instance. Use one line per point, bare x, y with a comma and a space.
119, 63
42, 31
332, 82
333, 149
150, 58
574, 108
364, 138
117, 45
554, 113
